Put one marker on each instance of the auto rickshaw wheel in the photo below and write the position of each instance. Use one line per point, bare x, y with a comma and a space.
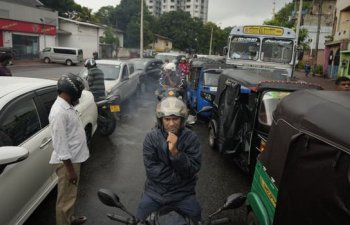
251, 219
211, 137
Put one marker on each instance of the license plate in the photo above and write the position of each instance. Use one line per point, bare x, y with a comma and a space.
114, 108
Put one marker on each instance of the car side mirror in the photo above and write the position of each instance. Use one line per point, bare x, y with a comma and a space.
12, 154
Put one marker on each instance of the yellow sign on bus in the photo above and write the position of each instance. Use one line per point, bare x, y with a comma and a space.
263, 30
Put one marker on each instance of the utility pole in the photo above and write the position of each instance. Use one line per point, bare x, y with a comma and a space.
211, 40
141, 31
297, 36
315, 53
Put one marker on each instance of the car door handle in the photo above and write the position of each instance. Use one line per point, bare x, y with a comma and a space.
45, 143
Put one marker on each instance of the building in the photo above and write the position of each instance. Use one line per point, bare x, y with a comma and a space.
86, 36
322, 11
27, 27
197, 8
161, 43
337, 52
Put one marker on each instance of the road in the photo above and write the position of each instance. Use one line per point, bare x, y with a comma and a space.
116, 163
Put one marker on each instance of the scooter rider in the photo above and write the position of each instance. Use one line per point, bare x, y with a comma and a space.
95, 79
171, 77
172, 159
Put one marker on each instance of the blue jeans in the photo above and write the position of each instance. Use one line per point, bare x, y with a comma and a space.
189, 206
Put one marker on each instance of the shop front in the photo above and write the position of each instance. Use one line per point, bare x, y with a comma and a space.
26, 38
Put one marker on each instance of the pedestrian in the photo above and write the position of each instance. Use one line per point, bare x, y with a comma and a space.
172, 159
95, 79
70, 147
307, 69
342, 84
5, 60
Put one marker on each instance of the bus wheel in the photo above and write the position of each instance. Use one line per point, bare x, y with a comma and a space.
69, 62
251, 219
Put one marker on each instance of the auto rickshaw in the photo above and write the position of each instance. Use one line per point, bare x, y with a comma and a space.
303, 175
202, 83
242, 111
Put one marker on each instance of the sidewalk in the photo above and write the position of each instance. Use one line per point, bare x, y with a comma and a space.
326, 84
26, 62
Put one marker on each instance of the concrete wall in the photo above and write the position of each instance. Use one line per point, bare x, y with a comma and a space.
84, 37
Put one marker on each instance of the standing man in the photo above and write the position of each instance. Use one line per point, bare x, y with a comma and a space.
70, 148
96, 79
342, 84
172, 158
5, 60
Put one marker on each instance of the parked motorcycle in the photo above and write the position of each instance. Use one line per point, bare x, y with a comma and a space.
166, 215
107, 109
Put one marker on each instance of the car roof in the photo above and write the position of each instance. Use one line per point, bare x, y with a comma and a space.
110, 62
11, 87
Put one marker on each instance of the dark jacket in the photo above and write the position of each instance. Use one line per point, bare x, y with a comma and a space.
171, 178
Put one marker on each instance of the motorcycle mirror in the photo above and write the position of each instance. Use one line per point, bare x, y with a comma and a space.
107, 197
234, 201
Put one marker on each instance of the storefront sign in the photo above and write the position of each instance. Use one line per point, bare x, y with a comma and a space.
27, 27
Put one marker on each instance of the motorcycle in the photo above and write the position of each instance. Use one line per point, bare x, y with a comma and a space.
106, 119
167, 215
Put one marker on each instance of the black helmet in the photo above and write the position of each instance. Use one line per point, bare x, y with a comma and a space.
90, 63
71, 84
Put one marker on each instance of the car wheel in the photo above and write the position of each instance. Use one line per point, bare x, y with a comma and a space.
47, 60
251, 219
211, 137
69, 62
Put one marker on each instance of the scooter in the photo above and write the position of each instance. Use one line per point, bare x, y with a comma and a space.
166, 215
106, 120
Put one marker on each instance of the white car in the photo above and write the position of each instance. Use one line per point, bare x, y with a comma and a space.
26, 177
120, 77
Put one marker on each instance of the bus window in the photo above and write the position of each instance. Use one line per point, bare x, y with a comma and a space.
276, 50
246, 48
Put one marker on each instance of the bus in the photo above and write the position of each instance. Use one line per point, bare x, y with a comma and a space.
261, 46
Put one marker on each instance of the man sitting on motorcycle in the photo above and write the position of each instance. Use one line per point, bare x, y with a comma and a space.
171, 78
95, 79
172, 158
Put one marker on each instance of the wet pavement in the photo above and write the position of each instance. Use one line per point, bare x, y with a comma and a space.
116, 163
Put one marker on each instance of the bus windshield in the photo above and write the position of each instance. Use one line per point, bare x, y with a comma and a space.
276, 50
246, 48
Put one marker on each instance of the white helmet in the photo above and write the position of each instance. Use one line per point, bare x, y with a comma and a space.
170, 66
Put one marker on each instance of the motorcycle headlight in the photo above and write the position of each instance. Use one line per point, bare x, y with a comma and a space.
207, 96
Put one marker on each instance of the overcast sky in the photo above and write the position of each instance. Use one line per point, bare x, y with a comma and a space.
222, 12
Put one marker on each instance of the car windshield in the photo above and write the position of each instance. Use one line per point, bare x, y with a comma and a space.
211, 79
171, 58
276, 50
246, 48
139, 65
111, 72
269, 104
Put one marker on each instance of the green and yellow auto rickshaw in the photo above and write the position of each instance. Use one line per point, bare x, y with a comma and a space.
303, 175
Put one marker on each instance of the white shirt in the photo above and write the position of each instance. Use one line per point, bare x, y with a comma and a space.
68, 135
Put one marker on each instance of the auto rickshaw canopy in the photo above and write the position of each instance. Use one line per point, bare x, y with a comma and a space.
308, 158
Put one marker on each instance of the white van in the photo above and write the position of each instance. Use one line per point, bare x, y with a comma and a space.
66, 55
